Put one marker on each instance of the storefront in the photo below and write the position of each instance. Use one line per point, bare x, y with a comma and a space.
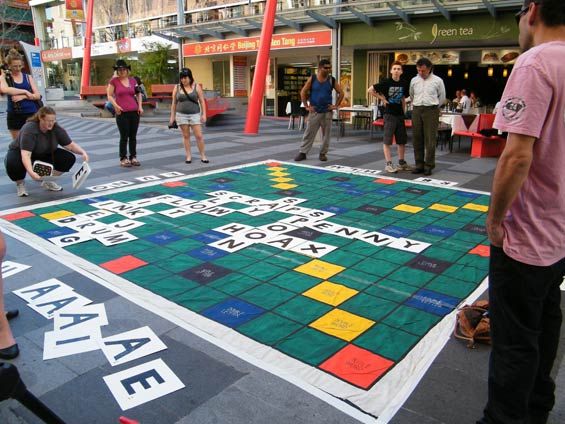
472, 52
227, 66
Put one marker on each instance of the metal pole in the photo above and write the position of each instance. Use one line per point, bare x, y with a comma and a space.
180, 21
85, 77
258, 87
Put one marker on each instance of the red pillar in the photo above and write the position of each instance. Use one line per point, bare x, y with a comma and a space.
85, 77
261, 67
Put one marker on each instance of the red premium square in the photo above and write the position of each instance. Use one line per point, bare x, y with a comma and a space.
18, 215
174, 184
357, 366
123, 264
384, 181
273, 164
481, 250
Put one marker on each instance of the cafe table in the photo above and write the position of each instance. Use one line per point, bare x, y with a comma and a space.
359, 110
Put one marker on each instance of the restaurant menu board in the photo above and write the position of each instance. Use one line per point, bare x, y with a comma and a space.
239, 76
437, 57
499, 57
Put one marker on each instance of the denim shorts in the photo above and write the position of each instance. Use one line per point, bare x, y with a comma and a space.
191, 119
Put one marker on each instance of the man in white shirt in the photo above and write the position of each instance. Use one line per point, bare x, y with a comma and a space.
428, 96
465, 102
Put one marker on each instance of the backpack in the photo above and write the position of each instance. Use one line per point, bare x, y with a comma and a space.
473, 324
331, 76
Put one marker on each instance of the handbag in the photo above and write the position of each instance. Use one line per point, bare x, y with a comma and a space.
173, 125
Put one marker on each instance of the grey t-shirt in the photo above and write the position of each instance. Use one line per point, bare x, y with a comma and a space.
187, 104
40, 143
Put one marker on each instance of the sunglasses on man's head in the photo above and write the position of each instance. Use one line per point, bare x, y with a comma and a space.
523, 11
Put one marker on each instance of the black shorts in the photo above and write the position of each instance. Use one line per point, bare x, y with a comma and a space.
16, 121
394, 127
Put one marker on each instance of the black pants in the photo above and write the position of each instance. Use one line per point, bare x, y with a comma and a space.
526, 319
62, 160
128, 122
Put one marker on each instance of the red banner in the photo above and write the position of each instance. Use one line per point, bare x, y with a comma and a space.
56, 54
74, 10
124, 45
249, 44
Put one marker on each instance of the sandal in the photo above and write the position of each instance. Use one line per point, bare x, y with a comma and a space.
135, 162
125, 163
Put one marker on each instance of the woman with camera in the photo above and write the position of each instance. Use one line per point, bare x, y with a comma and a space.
125, 97
189, 111
23, 95
39, 140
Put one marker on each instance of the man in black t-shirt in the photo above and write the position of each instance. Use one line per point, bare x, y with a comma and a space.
393, 93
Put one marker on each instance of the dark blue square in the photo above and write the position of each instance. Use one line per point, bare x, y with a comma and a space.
340, 178
238, 171
345, 185
95, 200
288, 193
205, 273
436, 230
207, 253
162, 238
334, 209
395, 231
149, 194
432, 302
222, 180
233, 312
209, 236
475, 228
467, 194
56, 232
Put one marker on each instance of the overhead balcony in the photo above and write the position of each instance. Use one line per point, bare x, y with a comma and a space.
220, 21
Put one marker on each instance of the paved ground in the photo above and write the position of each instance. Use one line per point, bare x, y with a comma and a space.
222, 388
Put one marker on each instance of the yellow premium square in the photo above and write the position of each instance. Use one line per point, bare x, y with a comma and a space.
56, 215
281, 180
408, 208
330, 293
279, 174
276, 168
443, 208
284, 186
475, 207
342, 324
319, 269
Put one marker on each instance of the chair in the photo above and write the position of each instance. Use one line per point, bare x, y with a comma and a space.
295, 110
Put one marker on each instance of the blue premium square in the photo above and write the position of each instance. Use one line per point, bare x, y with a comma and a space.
207, 253
162, 238
209, 236
335, 209
395, 231
233, 312
435, 230
432, 302
56, 232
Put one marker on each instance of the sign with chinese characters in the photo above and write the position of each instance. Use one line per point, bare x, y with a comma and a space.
74, 10
56, 54
251, 44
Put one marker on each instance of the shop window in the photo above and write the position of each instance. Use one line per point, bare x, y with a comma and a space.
221, 77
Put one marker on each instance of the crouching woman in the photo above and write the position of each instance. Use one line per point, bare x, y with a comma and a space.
39, 139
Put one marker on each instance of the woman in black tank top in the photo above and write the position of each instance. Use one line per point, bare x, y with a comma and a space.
189, 112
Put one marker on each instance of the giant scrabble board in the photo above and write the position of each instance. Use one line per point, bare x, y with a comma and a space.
341, 282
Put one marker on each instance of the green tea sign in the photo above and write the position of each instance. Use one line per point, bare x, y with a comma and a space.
434, 31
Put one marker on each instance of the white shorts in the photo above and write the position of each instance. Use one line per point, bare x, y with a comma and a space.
192, 119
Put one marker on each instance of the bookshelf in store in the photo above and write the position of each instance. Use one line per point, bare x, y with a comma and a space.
290, 82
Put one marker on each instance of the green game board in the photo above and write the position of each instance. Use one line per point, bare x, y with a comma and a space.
342, 276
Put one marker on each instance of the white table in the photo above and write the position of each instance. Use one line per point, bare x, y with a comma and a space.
361, 110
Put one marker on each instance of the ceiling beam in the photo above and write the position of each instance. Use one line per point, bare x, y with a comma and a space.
254, 24
442, 9
361, 16
215, 34
239, 31
167, 37
490, 7
401, 13
185, 34
330, 23
289, 23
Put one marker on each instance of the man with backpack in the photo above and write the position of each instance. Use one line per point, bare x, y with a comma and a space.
526, 224
316, 95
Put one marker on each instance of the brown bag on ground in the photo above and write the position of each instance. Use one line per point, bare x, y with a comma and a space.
473, 324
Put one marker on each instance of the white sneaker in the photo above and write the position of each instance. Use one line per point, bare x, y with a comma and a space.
390, 168
22, 192
51, 186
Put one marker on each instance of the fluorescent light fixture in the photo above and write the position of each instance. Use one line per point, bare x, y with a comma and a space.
171, 61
